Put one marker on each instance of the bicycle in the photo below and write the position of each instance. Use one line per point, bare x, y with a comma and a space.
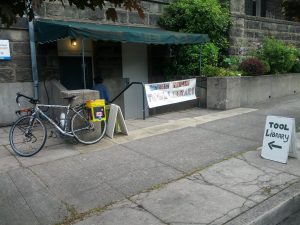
28, 134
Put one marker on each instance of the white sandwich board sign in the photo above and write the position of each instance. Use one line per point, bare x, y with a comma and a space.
279, 139
115, 117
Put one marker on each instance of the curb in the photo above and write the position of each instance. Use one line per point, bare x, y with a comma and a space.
273, 210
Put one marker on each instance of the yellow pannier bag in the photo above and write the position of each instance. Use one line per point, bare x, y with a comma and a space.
96, 110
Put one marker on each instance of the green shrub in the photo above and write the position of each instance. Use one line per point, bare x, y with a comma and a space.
296, 67
280, 56
210, 54
187, 58
267, 66
197, 16
213, 71
232, 62
252, 66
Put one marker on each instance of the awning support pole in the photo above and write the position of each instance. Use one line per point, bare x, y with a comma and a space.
200, 61
83, 62
35, 77
144, 105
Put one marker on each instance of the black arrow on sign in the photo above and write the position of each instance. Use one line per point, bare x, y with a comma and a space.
271, 145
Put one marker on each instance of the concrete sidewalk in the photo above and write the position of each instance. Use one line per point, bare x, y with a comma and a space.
191, 167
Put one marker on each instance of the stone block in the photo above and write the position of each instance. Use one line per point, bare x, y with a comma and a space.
22, 61
21, 48
134, 18
223, 93
122, 16
53, 9
145, 6
6, 75
14, 35
259, 35
6, 63
83, 95
153, 18
236, 32
7, 98
283, 28
89, 14
23, 75
268, 26
238, 22
41, 11
22, 23
237, 6
249, 34
72, 12
252, 24
156, 8
255, 89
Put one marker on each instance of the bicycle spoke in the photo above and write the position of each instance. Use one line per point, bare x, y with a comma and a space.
85, 131
27, 137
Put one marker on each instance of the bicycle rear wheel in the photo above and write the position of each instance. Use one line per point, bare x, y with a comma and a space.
84, 130
27, 136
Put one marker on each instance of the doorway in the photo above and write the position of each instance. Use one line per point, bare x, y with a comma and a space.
71, 74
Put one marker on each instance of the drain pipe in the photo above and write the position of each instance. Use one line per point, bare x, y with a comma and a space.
35, 77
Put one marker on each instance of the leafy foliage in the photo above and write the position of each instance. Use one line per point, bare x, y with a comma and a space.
232, 62
253, 66
296, 67
197, 16
279, 55
11, 9
187, 58
210, 54
213, 71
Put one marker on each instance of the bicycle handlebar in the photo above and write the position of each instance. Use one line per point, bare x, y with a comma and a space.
31, 100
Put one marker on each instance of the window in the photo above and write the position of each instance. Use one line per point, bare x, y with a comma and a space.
255, 7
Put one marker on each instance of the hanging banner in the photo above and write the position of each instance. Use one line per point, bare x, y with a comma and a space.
159, 94
4, 50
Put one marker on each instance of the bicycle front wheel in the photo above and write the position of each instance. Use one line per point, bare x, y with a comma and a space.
86, 131
27, 136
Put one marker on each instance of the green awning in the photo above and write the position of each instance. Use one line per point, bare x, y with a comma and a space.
52, 30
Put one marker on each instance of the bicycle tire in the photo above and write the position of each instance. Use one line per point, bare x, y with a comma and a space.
34, 133
85, 131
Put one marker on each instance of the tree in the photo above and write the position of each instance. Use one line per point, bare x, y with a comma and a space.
11, 9
197, 16
291, 9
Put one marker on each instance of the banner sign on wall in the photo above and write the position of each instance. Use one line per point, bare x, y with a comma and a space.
159, 94
4, 50
279, 139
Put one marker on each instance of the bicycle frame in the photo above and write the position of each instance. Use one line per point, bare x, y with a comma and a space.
68, 108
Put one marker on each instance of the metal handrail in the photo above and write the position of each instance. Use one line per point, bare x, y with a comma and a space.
143, 91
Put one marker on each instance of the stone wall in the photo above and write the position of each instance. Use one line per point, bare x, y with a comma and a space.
47, 61
55, 10
18, 69
234, 92
247, 32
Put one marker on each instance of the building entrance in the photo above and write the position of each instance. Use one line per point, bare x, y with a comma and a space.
71, 73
